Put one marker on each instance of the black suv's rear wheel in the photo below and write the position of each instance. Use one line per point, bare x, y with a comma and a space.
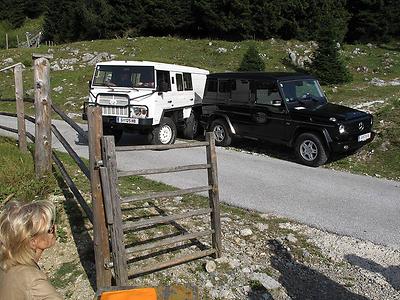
310, 150
221, 133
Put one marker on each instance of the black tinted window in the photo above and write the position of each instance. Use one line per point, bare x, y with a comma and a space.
163, 80
187, 81
266, 92
179, 82
224, 86
212, 85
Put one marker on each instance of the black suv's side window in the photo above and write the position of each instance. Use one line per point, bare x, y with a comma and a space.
224, 89
265, 92
240, 90
212, 85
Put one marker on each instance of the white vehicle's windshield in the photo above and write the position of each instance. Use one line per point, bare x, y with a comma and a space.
123, 76
301, 91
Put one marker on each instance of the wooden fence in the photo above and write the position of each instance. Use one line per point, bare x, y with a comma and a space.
105, 211
119, 227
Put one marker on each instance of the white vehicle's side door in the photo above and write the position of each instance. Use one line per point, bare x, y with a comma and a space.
184, 95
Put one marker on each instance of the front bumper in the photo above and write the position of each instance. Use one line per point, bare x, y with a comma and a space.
350, 144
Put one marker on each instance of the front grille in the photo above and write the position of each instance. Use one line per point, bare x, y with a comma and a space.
113, 100
115, 111
359, 126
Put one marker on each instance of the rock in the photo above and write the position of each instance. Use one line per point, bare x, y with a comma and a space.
246, 232
87, 57
99, 57
234, 263
377, 82
246, 270
209, 284
58, 89
261, 226
8, 61
210, 266
221, 50
55, 67
267, 281
68, 61
291, 238
306, 253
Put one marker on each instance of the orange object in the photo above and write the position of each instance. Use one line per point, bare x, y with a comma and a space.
135, 294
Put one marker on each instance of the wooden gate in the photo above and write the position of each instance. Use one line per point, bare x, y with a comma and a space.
119, 226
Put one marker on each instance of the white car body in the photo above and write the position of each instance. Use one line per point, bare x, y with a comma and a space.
145, 104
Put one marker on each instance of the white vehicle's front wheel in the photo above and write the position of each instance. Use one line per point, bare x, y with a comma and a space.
164, 133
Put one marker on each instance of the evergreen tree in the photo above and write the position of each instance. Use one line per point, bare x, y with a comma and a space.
252, 61
327, 64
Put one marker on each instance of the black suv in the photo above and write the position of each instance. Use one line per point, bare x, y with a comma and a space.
285, 108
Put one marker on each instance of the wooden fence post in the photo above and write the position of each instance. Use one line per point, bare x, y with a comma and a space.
214, 194
114, 203
100, 233
19, 97
43, 149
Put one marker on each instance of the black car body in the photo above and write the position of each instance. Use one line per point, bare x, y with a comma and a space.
284, 108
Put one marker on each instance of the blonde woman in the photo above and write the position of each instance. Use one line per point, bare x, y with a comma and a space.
26, 230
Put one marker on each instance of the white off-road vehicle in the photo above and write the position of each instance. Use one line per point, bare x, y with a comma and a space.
154, 99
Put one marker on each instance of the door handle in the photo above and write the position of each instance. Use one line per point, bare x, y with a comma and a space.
170, 101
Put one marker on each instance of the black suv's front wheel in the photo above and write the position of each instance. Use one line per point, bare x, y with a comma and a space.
221, 133
310, 150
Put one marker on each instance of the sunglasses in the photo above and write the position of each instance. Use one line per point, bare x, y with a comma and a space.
52, 229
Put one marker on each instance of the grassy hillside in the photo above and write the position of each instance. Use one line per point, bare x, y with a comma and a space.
365, 62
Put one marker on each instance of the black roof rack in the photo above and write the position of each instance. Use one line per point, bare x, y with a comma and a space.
261, 75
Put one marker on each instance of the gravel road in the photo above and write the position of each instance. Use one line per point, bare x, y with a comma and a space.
359, 206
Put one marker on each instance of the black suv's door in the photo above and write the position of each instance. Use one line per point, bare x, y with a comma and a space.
268, 112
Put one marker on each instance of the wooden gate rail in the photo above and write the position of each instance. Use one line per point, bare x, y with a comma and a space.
161, 147
69, 121
164, 219
163, 170
68, 180
71, 152
121, 254
166, 194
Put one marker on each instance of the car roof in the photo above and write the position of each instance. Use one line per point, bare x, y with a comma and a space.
261, 75
156, 65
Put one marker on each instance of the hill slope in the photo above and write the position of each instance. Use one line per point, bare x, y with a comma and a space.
376, 73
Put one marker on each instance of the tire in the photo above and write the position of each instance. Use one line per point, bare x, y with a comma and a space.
310, 150
192, 127
117, 133
164, 133
221, 132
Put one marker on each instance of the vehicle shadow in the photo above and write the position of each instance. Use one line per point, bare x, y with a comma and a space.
302, 282
391, 273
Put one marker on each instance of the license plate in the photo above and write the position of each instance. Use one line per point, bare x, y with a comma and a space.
123, 120
364, 137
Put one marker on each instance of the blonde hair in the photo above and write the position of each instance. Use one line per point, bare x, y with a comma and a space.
19, 222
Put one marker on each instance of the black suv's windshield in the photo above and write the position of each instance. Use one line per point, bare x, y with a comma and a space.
121, 76
299, 92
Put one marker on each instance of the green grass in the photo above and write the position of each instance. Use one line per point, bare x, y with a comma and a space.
17, 174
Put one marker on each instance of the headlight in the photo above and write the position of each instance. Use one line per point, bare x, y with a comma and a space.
139, 111
342, 129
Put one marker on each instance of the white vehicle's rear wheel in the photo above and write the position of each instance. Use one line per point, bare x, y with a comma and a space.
164, 133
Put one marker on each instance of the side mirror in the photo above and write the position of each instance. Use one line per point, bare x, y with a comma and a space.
277, 103
90, 84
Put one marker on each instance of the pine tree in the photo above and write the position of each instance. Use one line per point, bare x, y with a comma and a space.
252, 61
327, 64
